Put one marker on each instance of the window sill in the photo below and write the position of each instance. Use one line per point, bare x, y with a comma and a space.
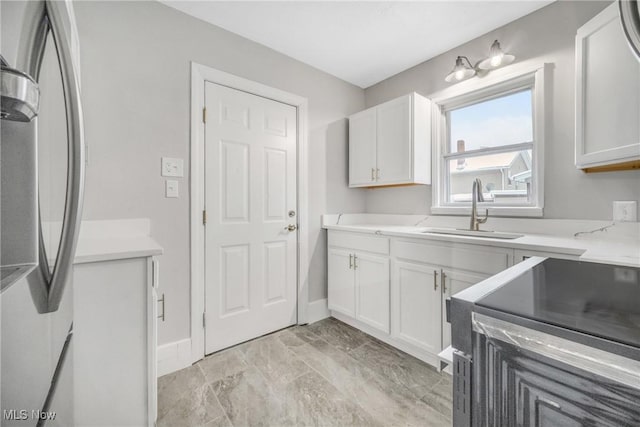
524, 211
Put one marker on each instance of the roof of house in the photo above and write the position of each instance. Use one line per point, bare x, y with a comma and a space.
489, 162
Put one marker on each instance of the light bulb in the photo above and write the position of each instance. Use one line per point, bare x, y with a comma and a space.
496, 60
459, 74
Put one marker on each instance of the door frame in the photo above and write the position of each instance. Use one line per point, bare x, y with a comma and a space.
200, 74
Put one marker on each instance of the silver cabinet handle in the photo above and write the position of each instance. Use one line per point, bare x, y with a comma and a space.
291, 227
56, 14
435, 280
373, 174
377, 174
444, 282
355, 261
350, 261
161, 301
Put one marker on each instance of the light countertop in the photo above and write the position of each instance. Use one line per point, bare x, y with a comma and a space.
618, 244
107, 249
106, 240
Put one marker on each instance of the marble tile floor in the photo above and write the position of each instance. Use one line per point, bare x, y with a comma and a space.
324, 374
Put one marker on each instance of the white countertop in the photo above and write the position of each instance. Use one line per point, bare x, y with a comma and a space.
94, 250
619, 244
106, 240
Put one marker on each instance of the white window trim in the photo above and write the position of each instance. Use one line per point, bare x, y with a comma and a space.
471, 91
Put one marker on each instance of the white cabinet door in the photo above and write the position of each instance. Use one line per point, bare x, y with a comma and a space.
452, 283
372, 287
111, 343
607, 94
416, 305
152, 336
341, 282
394, 141
362, 148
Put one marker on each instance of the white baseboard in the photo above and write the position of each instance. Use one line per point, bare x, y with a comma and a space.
318, 310
174, 356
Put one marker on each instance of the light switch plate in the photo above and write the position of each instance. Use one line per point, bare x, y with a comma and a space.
172, 167
171, 189
625, 211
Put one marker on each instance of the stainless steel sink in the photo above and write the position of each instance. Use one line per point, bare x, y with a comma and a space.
481, 233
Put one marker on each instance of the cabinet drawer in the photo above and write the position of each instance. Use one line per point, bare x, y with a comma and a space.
521, 255
482, 259
359, 242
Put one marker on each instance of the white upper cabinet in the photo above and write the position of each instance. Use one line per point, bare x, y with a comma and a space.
390, 144
362, 159
607, 95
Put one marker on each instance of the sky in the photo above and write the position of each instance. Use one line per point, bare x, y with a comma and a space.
496, 122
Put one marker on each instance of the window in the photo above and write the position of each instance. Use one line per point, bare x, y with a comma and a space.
493, 133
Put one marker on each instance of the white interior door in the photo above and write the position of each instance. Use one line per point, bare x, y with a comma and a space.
251, 257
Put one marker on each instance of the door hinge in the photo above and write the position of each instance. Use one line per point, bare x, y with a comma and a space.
204, 115
204, 320
204, 217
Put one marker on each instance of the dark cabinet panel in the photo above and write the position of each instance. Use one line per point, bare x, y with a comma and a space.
515, 387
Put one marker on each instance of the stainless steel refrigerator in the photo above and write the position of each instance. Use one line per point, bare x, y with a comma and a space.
630, 17
42, 176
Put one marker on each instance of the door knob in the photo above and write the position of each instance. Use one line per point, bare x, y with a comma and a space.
291, 227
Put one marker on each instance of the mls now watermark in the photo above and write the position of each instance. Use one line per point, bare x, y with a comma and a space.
24, 414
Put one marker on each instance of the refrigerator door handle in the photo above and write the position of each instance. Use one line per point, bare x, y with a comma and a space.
630, 17
61, 21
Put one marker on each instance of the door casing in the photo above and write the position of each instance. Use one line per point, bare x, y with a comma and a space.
199, 75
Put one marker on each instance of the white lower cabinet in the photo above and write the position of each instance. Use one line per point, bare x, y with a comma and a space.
372, 290
416, 305
358, 278
114, 342
520, 255
341, 282
453, 282
396, 289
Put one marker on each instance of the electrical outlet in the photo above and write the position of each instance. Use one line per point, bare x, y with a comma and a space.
171, 189
172, 167
625, 211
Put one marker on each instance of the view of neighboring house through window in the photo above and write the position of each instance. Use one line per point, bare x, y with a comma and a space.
491, 140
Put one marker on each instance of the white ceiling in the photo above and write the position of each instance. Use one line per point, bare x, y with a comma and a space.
361, 42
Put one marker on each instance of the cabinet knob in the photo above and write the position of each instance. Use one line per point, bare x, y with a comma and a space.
291, 227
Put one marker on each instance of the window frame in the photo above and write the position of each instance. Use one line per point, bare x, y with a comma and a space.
498, 83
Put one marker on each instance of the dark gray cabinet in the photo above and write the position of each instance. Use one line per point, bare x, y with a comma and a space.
515, 387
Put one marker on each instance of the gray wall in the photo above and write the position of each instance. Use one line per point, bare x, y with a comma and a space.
547, 35
135, 60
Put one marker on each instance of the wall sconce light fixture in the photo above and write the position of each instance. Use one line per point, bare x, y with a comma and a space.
497, 58
462, 71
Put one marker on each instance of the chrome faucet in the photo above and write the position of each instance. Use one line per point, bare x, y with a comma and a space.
476, 196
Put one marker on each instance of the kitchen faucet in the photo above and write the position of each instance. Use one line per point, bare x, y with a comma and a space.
476, 196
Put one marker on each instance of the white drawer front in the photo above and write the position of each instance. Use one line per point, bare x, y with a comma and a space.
358, 242
481, 259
